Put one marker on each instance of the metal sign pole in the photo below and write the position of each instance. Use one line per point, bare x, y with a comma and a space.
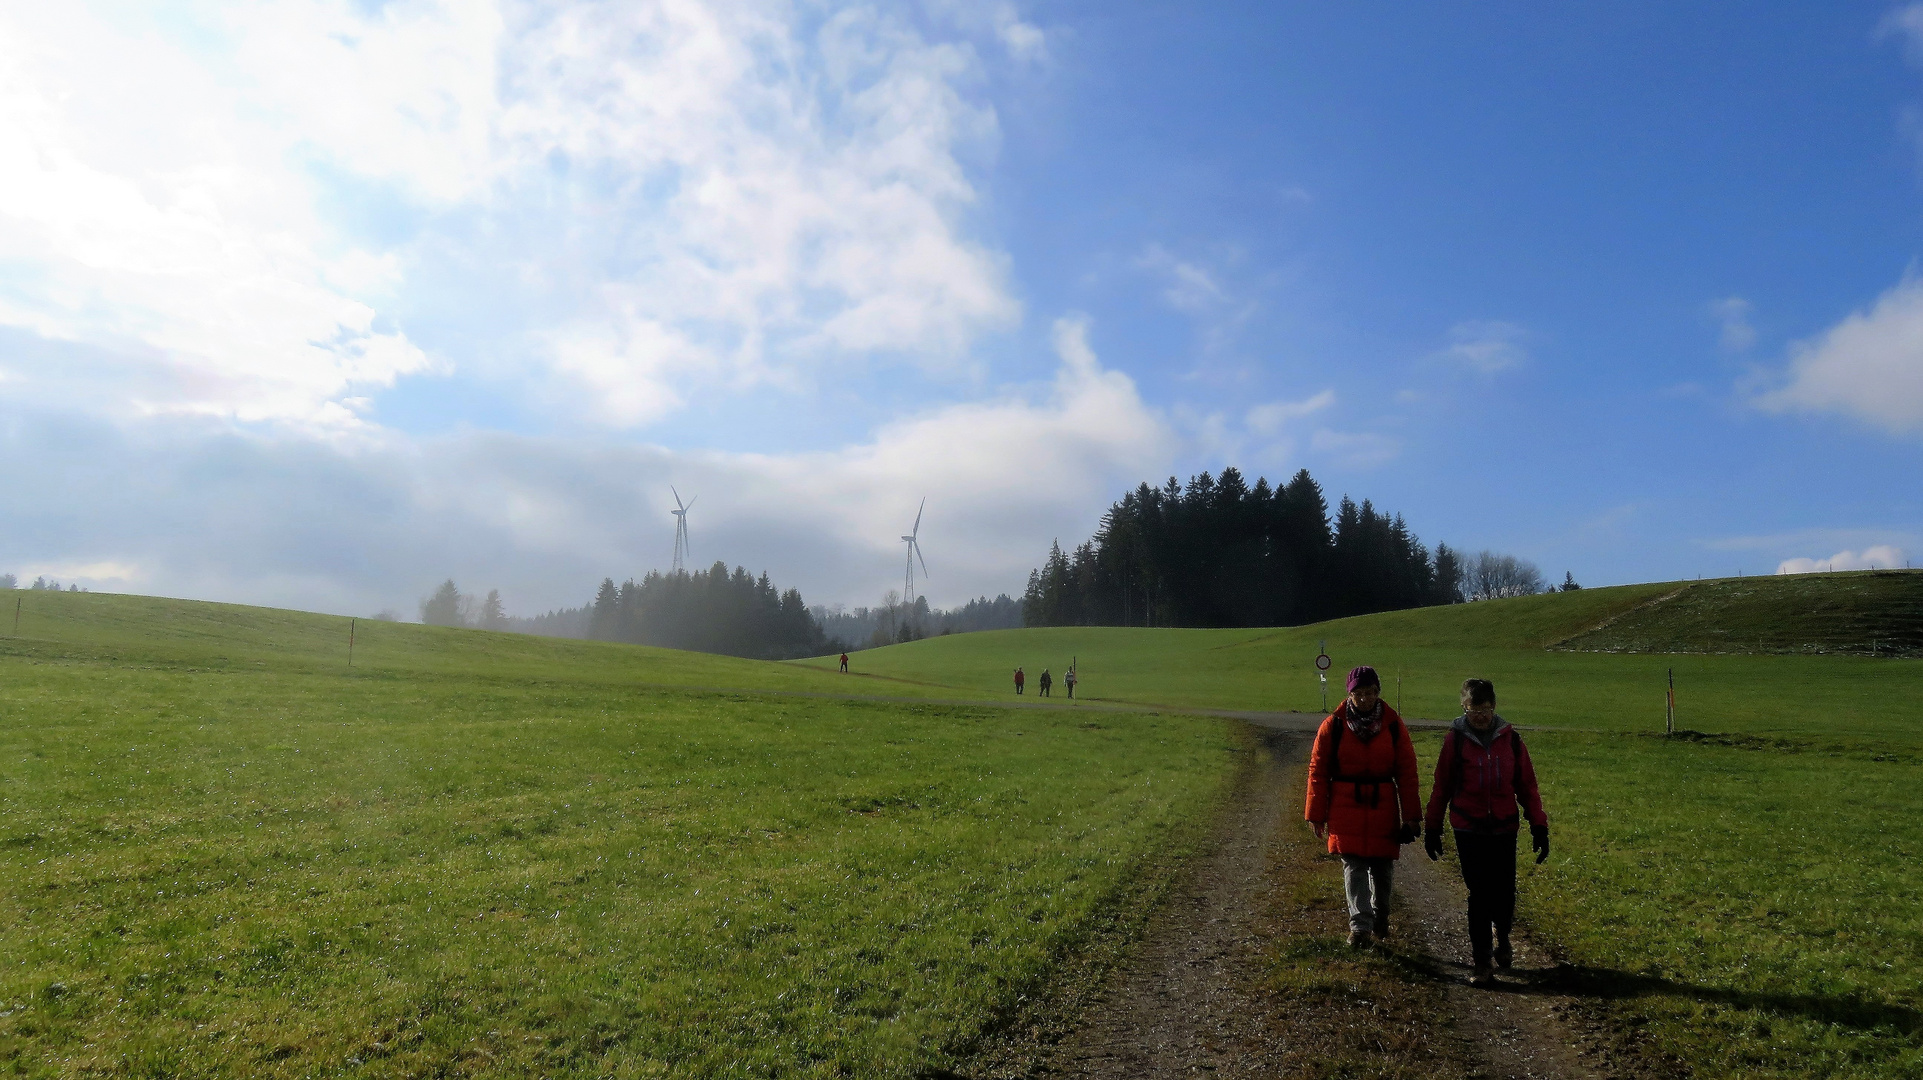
1322, 663
351, 623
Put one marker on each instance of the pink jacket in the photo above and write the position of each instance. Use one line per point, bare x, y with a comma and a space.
1493, 783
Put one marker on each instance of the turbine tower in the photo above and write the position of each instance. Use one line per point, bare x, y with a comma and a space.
680, 513
914, 553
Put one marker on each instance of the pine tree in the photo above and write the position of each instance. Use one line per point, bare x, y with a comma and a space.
444, 607
607, 615
492, 617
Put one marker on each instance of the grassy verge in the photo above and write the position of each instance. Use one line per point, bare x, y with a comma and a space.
1753, 905
208, 871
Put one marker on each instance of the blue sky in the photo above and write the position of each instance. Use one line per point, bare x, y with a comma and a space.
316, 303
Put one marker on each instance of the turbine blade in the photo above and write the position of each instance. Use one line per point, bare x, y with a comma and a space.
691, 503
677, 497
924, 505
924, 562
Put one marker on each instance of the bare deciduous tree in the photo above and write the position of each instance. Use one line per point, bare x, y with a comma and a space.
1487, 575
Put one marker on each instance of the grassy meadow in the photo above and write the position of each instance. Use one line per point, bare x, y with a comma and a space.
1746, 895
224, 853
1431, 650
227, 853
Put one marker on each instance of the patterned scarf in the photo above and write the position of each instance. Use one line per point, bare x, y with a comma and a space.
1364, 726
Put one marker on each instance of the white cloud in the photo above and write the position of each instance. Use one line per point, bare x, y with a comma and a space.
289, 519
685, 192
1270, 419
1869, 366
1882, 556
1486, 346
1355, 449
1906, 23
140, 210
86, 575
1189, 286
1732, 316
1024, 40
1204, 290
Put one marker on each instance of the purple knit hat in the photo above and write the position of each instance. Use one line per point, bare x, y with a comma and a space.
1363, 676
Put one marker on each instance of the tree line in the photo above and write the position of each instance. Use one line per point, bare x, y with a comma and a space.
893, 622
1218, 552
40, 584
709, 610
712, 610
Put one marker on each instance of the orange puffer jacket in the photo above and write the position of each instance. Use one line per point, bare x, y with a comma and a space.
1359, 786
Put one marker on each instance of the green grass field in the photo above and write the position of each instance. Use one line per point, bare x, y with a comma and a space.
223, 853
227, 853
1750, 900
1431, 650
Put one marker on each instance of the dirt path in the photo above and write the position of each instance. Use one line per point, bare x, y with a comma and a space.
1199, 994
1183, 1003
1523, 1029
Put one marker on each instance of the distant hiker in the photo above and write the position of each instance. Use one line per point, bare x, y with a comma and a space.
1045, 682
1020, 680
844, 663
1362, 796
1488, 783
1068, 680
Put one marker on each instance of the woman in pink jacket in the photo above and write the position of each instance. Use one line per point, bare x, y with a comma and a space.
1487, 783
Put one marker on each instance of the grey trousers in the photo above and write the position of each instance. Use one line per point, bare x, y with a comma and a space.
1368, 881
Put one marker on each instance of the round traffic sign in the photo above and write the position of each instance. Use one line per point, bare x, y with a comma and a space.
1322, 662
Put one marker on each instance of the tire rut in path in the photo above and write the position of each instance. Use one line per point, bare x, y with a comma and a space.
1189, 1000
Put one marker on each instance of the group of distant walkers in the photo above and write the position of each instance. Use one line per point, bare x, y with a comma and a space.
1362, 796
1045, 682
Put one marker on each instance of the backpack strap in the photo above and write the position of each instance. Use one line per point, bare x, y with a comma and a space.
1373, 781
1515, 753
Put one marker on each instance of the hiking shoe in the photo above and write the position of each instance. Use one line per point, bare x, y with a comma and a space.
1504, 955
1358, 939
1484, 976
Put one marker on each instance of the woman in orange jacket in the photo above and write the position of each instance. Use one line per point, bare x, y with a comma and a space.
1362, 796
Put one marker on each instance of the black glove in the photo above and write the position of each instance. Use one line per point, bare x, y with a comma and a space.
1539, 842
1433, 844
1408, 832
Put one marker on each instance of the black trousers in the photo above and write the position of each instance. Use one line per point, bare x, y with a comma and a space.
1489, 869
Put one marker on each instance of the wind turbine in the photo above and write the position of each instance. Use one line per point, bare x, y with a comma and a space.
680, 513
914, 552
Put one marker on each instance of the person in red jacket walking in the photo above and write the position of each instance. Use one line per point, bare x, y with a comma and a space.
1021, 679
1488, 784
1363, 797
